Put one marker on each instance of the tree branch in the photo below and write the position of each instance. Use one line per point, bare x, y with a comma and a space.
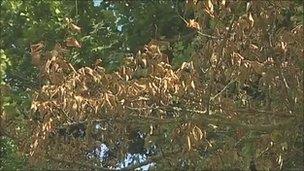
148, 161
82, 164
214, 118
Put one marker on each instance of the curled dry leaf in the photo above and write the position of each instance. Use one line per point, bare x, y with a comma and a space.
253, 47
192, 85
197, 133
189, 142
214, 59
75, 28
237, 59
37, 47
36, 53
193, 24
144, 62
209, 8
251, 20
72, 42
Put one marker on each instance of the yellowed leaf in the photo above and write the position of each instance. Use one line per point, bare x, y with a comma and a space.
251, 20
193, 85
237, 59
209, 9
106, 96
193, 24
189, 142
197, 133
214, 59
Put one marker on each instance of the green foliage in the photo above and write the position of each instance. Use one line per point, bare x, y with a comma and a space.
3, 65
9, 155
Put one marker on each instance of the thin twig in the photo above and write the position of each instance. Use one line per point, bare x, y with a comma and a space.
209, 36
214, 97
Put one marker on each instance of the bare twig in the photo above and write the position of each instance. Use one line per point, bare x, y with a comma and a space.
209, 36
215, 96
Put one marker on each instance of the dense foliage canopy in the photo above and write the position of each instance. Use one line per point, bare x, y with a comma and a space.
167, 85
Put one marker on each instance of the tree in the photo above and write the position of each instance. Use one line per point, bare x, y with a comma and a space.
226, 80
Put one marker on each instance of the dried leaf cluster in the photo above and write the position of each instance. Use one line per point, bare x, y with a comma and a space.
246, 78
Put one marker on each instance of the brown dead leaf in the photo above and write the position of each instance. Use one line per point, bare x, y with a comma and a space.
209, 9
75, 28
251, 20
193, 24
197, 133
72, 42
192, 85
237, 59
257, 67
36, 53
189, 142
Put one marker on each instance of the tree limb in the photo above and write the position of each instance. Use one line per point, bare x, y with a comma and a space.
148, 161
82, 164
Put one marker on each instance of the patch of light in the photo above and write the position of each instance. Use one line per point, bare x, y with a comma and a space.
133, 159
97, 2
103, 149
130, 159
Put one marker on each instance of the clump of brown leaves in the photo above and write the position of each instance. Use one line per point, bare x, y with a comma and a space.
176, 110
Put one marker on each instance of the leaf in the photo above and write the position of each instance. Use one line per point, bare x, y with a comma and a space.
192, 85
57, 11
36, 53
72, 42
193, 24
237, 59
75, 28
197, 133
257, 67
251, 20
106, 97
189, 142
37, 47
214, 59
144, 62
209, 8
